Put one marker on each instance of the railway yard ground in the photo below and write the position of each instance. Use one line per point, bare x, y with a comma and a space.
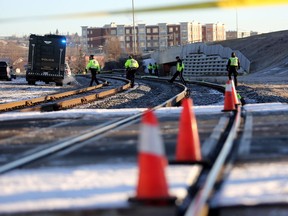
97, 176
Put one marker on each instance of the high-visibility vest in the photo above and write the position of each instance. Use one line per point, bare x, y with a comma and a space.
155, 66
93, 64
234, 61
180, 66
131, 63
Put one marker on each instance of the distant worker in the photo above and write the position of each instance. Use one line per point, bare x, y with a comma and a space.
155, 68
131, 66
179, 71
232, 66
150, 68
94, 67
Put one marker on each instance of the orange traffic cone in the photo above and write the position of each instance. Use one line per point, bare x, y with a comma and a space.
152, 185
229, 103
188, 144
234, 93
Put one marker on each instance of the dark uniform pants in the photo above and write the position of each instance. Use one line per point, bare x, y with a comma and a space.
178, 73
233, 71
130, 75
93, 77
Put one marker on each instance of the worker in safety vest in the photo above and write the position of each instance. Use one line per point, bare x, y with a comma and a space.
94, 67
232, 66
155, 68
150, 68
179, 71
131, 66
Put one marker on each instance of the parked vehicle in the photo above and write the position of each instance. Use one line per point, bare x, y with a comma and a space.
6, 72
46, 59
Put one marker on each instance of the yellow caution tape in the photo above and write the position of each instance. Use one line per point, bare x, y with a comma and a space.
191, 6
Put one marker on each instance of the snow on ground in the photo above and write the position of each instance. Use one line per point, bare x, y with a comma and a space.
104, 186
248, 186
18, 89
81, 187
96, 186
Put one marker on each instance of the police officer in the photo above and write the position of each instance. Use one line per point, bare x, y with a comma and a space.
94, 67
179, 71
155, 67
131, 66
150, 68
232, 66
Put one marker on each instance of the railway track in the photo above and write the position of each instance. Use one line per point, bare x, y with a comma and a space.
49, 102
220, 133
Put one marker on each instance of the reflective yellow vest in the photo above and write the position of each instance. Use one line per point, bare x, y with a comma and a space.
180, 66
131, 63
233, 61
93, 64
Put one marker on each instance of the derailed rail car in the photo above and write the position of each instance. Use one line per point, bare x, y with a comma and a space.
46, 59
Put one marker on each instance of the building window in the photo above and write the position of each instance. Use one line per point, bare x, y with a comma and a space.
148, 44
120, 31
155, 44
127, 31
127, 38
141, 30
113, 32
155, 37
155, 30
141, 37
148, 30
170, 29
162, 29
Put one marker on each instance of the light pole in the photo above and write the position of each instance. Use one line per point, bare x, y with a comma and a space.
134, 29
236, 23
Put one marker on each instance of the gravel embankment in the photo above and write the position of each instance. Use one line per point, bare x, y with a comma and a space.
258, 89
148, 94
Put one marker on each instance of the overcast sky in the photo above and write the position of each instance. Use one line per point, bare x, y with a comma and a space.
261, 19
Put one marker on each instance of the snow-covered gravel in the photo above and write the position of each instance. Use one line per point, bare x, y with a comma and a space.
146, 93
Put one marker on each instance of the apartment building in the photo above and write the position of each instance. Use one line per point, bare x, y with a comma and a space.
213, 32
150, 37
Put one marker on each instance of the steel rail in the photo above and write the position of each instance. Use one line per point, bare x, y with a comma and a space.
198, 207
68, 103
88, 135
52, 97
218, 87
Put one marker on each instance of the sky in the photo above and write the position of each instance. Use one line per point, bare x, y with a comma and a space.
261, 19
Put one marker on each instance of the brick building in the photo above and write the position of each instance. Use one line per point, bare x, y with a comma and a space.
150, 37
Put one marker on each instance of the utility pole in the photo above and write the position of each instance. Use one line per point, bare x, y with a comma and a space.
134, 30
236, 23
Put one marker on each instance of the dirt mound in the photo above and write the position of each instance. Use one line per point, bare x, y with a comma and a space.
264, 51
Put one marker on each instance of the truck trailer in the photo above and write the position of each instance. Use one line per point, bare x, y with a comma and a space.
46, 59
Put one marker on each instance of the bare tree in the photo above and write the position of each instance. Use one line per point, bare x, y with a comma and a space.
76, 59
15, 54
112, 49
